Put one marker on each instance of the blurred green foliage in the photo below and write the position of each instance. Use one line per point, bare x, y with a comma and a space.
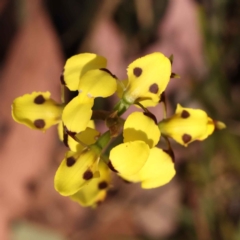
27, 231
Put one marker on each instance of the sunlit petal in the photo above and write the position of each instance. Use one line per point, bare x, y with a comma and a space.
128, 158
95, 191
139, 126
97, 83
75, 171
36, 110
78, 65
148, 77
77, 113
186, 125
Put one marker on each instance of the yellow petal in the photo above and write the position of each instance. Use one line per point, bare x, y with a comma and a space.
77, 113
186, 125
128, 158
95, 191
210, 126
91, 124
36, 110
87, 137
78, 65
97, 83
148, 77
141, 127
75, 171
158, 170
68, 140
121, 87
88, 196
210, 129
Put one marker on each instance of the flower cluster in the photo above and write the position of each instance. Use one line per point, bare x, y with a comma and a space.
85, 172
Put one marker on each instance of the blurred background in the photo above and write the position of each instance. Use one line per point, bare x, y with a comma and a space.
202, 202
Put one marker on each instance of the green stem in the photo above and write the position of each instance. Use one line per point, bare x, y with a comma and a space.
103, 140
121, 107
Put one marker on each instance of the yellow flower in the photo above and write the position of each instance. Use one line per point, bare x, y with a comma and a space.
157, 171
188, 125
148, 77
95, 191
76, 170
83, 167
36, 110
77, 65
137, 159
87, 74
140, 134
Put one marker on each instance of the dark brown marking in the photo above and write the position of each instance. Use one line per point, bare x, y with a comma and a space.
137, 71
107, 71
102, 185
162, 98
186, 138
71, 134
39, 123
39, 99
154, 88
62, 78
174, 75
70, 161
65, 139
185, 114
152, 116
65, 136
112, 167
88, 175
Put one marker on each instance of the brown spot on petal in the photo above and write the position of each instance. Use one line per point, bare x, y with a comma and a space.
70, 161
88, 175
102, 185
107, 71
152, 116
185, 114
137, 71
39, 123
186, 138
112, 167
154, 88
39, 99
